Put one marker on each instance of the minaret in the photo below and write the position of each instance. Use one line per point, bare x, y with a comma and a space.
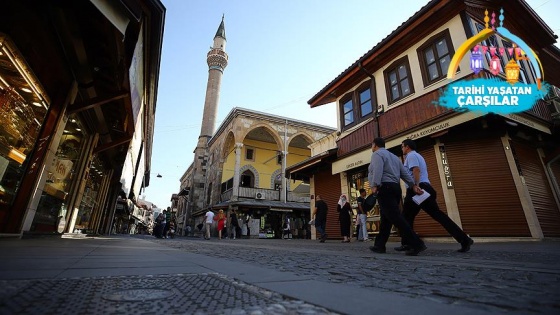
217, 60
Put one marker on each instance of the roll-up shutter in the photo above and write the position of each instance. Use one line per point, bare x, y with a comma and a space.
486, 195
424, 225
328, 187
539, 188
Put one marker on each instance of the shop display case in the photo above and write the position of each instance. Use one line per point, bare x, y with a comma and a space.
23, 108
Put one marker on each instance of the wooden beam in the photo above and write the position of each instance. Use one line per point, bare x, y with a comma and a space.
94, 102
112, 144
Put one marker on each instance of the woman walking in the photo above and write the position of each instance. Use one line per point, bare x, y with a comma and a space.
344, 209
221, 218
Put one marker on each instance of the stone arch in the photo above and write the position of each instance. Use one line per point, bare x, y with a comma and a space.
273, 177
302, 134
269, 128
252, 169
228, 144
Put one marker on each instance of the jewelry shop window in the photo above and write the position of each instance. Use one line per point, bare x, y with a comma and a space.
61, 177
23, 108
90, 198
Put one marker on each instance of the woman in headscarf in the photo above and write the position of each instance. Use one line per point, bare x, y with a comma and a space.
344, 209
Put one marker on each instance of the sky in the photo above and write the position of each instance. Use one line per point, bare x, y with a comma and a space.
281, 53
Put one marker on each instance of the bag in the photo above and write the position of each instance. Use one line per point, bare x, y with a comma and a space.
370, 201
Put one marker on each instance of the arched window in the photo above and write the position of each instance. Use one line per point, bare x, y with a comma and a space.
247, 179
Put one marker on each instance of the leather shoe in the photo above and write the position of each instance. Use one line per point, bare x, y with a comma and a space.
402, 248
416, 251
466, 245
377, 250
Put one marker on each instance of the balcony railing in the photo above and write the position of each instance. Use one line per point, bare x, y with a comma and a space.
263, 194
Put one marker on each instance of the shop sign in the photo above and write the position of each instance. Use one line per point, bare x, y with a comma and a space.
446, 169
430, 130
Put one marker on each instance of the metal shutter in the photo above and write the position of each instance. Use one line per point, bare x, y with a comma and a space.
539, 188
486, 195
328, 187
424, 225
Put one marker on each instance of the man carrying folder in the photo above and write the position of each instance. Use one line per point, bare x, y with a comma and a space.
416, 165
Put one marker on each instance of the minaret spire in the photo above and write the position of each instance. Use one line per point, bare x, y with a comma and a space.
217, 60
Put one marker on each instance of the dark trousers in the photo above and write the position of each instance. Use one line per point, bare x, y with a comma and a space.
430, 206
320, 225
388, 196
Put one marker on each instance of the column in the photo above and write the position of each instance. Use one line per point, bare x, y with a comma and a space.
236, 175
284, 191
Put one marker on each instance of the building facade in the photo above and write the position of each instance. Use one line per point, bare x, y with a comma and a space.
78, 90
247, 160
496, 175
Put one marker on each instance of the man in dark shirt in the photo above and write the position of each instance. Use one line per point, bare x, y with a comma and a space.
385, 173
320, 217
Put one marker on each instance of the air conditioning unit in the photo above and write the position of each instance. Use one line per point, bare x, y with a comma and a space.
259, 196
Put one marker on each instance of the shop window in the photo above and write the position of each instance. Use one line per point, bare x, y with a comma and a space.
398, 80
90, 199
435, 56
61, 176
23, 108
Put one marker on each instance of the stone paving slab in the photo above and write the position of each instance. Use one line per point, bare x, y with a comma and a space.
162, 294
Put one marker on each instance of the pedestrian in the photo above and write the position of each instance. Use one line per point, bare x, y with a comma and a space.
221, 218
320, 217
160, 222
234, 223
416, 166
344, 218
208, 219
384, 174
286, 229
362, 217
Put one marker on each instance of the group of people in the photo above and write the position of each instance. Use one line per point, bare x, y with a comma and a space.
384, 174
221, 220
165, 225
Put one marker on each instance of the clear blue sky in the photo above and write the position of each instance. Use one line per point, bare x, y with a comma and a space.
281, 53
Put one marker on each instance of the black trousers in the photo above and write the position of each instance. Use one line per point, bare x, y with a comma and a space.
430, 206
388, 196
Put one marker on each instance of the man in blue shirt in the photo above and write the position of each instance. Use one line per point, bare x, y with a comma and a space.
385, 172
416, 166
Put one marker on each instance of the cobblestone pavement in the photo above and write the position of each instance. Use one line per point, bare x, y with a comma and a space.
164, 294
494, 278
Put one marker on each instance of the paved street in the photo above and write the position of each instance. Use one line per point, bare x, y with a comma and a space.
145, 275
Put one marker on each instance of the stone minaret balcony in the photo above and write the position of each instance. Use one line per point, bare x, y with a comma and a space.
217, 59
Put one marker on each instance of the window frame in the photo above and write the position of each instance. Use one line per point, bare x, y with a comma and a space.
393, 67
247, 151
354, 97
431, 43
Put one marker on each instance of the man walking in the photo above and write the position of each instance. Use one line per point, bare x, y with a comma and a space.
208, 219
385, 171
362, 216
320, 217
416, 166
